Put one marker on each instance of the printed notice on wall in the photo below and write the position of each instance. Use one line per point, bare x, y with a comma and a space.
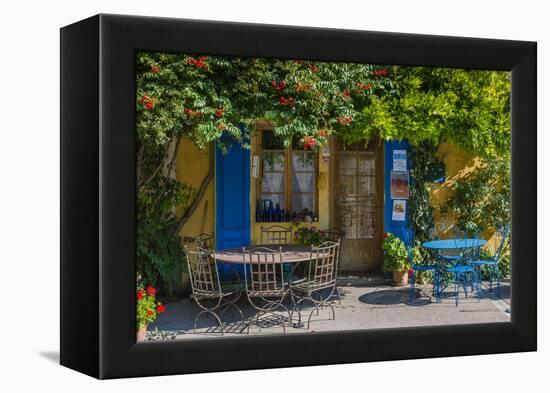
399, 210
400, 160
399, 185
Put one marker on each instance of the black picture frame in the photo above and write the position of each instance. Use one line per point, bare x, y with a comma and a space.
98, 204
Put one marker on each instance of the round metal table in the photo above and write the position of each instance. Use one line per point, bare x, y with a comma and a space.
290, 253
454, 244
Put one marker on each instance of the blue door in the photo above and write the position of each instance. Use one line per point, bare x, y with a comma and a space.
232, 197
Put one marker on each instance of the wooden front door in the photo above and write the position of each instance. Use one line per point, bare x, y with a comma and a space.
359, 205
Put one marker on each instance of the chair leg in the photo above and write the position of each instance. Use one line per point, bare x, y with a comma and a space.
457, 287
411, 297
498, 279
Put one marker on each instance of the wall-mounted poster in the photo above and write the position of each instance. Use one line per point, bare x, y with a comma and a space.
399, 210
399, 186
400, 160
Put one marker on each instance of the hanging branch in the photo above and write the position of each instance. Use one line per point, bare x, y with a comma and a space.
198, 196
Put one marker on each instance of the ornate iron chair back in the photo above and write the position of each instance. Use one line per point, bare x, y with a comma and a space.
205, 241
323, 267
276, 235
203, 273
334, 234
265, 275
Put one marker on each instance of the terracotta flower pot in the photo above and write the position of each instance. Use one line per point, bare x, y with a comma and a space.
400, 278
140, 336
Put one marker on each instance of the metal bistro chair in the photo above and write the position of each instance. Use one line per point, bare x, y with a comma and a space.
206, 287
265, 286
276, 235
205, 241
425, 267
493, 262
321, 275
461, 270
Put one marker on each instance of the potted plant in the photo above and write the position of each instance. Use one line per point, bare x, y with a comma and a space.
147, 309
309, 236
396, 259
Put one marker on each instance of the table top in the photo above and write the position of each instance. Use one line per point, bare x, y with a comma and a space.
449, 244
291, 253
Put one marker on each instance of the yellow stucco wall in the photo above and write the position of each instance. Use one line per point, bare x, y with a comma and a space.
191, 167
457, 164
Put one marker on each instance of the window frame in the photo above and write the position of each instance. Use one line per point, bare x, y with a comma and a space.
288, 173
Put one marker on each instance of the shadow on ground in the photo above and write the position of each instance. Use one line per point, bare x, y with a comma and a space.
392, 297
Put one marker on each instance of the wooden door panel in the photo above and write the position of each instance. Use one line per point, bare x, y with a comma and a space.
358, 207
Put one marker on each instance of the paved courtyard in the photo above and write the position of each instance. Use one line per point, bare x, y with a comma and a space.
366, 303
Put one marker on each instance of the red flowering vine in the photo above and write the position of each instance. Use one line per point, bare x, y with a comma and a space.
149, 313
278, 86
303, 87
155, 69
309, 142
346, 94
140, 294
344, 120
219, 112
381, 72
199, 63
191, 113
286, 101
148, 102
161, 308
312, 67
151, 290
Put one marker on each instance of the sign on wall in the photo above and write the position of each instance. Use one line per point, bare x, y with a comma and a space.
400, 160
399, 210
399, 185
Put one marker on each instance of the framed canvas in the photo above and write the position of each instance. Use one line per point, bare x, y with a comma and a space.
321, 176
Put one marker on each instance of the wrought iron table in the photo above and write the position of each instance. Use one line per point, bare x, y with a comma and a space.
290, 253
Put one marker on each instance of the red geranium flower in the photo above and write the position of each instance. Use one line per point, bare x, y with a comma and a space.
309, 142
149, 313
161, 309
151, 290
155, 69
312, 67
346, 93
140, 294
286, 101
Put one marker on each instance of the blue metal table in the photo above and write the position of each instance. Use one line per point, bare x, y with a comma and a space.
456, 245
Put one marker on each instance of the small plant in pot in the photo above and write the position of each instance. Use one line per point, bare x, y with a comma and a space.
147, 309
396, 259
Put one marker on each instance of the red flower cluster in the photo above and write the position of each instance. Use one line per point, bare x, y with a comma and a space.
155, 69
219, 112
382, 72
286, 101
309, 142
199, 63
312, 67
140, 294
278, 86
362, 86
346, 94
149, 313
344, 120
148, 102
151, 290
303, 87
323, 133
191, 113
161, 308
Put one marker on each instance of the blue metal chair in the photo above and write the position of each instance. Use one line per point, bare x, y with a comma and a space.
409, 243
492, 263
462, 271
